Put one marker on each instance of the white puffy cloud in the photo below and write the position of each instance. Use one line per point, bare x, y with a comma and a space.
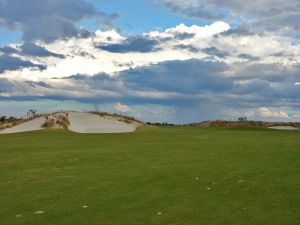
265, 112
197, 31
121, 107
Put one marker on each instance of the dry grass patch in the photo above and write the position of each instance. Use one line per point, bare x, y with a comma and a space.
63, 121
49, 123
119, 117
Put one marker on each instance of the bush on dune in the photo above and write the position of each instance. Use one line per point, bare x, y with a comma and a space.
49, 123
63, 121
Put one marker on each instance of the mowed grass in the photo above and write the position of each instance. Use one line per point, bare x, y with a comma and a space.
182, 176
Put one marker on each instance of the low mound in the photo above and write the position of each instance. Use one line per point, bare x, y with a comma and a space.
78, 122
248, 123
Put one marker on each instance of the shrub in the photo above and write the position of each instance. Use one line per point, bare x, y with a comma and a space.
63, 121
49, 123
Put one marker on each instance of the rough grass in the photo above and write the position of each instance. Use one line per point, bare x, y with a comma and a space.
166, 176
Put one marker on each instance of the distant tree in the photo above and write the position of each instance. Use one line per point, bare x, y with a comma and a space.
31, 113
242, 118
12, 118
2, 118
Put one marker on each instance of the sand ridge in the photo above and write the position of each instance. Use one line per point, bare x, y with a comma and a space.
80, 122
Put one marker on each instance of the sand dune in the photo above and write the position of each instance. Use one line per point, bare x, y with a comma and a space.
35, 124
284, 128
91, 123
80, 123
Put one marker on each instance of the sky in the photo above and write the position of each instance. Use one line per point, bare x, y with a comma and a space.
178, 61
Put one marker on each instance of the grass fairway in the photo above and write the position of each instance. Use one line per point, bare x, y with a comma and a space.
244, 176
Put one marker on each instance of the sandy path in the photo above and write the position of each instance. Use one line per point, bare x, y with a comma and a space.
35, 124
90, 123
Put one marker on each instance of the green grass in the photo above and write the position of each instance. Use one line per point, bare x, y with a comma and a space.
246, 176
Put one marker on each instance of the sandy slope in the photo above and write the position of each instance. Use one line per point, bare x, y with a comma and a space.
91, 123
80, 123
31, 125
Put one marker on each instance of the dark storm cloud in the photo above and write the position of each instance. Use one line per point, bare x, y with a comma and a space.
272, 73
188, 76
132, 44
194, 81
38, 84
249, 57
193, 12
8, 50
183, 36
5, 86
31, 49
48, 20
215, 52
13, 63
241, 30
177, 84
182, 78
275, 15
187, 47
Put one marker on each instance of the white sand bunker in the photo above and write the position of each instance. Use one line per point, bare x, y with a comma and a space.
77, 122
284, 128
91, 123
31, 125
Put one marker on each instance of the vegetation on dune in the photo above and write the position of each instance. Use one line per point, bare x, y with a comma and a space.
56, 121
6, 122
119, 117
167, 176
49, 123
63, 121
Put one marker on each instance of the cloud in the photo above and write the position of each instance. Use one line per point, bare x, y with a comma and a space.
49, 20
13, 63
121, 107
215, 52
8, 50
5, 86
192, 9
132, 44
190, 76
182, 31
38, 84
179, 83
247, 56
189, 87
271, 15
268, 113
241, 30
31, 49
187, 47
